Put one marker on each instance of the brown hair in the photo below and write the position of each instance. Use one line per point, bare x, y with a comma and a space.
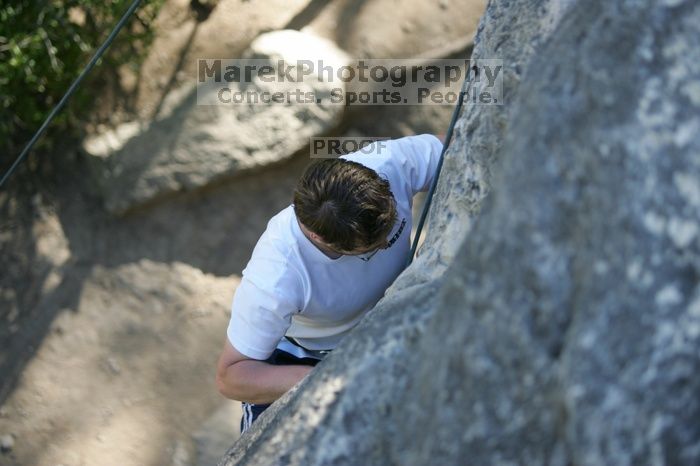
347, 204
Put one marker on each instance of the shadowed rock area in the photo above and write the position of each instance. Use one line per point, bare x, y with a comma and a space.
563, 326
201, 140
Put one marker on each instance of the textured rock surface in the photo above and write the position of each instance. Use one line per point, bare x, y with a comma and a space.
615, 206
511, 32
194, 145
567, 327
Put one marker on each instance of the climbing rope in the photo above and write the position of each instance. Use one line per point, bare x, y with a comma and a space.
105, 45
433, 185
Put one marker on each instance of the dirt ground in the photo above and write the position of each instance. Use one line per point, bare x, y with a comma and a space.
110, 326
129, 321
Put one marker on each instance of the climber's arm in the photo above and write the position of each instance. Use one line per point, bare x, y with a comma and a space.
417, 157
244, 379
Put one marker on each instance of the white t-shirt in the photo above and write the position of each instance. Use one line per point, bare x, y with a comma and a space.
290, 287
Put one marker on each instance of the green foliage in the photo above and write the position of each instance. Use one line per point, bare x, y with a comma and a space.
44, 44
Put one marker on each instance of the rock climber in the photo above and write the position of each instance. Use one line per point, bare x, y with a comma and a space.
320, 265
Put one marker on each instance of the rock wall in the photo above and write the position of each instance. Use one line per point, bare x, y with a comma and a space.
562, 326
511, 32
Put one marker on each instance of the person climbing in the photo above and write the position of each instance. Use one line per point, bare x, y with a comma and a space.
320, 265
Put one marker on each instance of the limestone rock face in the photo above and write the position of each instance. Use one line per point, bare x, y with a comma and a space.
564, 328
571, 311
193, 145
511, 32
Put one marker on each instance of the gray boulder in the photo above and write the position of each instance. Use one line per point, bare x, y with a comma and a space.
511, 32
564, 328
193, 145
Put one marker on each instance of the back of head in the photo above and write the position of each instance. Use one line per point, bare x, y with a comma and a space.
347, 204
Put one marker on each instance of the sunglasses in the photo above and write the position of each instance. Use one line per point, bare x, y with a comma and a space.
389, 243
365, 257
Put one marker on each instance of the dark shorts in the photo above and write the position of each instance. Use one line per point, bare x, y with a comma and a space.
278, 358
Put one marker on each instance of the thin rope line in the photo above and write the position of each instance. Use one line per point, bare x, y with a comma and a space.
433, 185
72, 88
